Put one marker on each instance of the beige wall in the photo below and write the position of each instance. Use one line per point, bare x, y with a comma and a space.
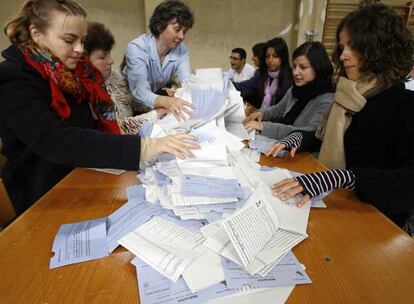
220, 25
125, 18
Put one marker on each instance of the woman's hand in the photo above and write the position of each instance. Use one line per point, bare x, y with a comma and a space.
313, 184
178, 145
161, 112
254, 125
276, 148
287, 189
291, 142
256, 116
176, 106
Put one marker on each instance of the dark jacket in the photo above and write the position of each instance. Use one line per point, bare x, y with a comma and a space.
379, 149
252, 90
40, 147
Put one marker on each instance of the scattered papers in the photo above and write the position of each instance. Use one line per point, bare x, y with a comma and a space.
124, 220
155, 289
79, 242
165, 246
287, 272
146, 129
195, 185
276, 295
251, 228
250, 233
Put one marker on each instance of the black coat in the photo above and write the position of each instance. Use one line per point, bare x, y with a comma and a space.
40, 147
379, 149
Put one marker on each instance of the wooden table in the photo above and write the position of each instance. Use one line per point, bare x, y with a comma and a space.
353, 254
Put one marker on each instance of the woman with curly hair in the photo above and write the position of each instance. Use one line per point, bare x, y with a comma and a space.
367, 140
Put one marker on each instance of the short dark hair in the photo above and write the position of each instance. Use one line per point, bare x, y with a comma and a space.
99, 37
241, 52
383, 41
258, 49
318, 58
168, 11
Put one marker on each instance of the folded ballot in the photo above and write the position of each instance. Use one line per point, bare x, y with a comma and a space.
252, 236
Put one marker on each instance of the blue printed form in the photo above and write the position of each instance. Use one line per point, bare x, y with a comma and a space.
155, 288
202, 137
131, 215
206, 103
146, 129
263, 146
287, 272
137, 191
79, 242
196, 185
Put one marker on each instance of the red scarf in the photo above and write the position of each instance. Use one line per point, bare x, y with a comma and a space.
84, 83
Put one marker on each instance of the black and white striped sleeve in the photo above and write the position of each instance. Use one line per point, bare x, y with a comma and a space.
317, 183
293, 140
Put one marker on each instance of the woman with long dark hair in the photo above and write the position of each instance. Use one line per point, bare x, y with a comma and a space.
273, 78
305, 102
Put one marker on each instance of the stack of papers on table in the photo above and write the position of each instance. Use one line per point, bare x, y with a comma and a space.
214, 99
206, 228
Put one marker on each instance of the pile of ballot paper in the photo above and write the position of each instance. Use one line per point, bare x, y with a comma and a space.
203, 229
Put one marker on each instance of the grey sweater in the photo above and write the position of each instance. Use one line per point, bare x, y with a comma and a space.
308, 120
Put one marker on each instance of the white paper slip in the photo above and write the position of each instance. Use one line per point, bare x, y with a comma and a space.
238, 130
254, 155
281, 242
232, 142
219, 241
109, 171
223, 172
166, 246
211, 76
79, 242
287, 272
291, 217
180, 201
275, 295
156, 289
163, 261
209, 155
204, 271
251, 227
188, 213
134, 213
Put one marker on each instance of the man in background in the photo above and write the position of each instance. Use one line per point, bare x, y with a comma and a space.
240, 70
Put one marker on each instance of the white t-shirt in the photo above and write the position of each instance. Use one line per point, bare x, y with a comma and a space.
246, 73
410, 85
